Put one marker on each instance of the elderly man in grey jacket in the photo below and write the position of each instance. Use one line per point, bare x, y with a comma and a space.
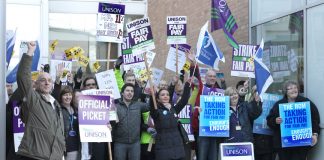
44, 133
126, 133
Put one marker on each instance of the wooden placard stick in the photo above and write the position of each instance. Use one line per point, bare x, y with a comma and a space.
108, 54
150, 81
177, 60
109, 151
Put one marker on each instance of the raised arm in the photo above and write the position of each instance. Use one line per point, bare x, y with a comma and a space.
184, 98
24, 80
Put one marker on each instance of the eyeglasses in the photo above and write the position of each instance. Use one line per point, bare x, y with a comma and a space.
290, 88
90, 84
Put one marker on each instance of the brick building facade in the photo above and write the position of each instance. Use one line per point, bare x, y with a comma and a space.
197, 12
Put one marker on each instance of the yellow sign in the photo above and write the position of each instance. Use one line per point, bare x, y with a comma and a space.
34, 75
96, 66
143, 75
78, 51
83, 60
186, 66
69, 53
53, 45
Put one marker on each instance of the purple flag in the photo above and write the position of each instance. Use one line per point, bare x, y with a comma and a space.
222, 18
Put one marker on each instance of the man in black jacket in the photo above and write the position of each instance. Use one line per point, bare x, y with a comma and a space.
126, 132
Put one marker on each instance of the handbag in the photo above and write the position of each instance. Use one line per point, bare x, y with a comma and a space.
183, 133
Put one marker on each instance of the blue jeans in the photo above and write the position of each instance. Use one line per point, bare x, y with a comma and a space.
208, 148
125, 151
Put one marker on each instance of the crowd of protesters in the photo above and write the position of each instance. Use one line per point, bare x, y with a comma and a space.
145, 131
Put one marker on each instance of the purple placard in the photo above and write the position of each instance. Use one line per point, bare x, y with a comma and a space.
111, 8
18, 125
132, 58
93, 110
182, 47
140, 35
237, 150
212, 91
176, 29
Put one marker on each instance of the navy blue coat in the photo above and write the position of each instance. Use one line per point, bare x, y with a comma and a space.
274, 113
168, 141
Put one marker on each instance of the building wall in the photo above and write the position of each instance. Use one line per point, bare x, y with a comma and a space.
197, 12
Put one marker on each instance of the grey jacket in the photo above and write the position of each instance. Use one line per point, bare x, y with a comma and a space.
44, 131
128, 129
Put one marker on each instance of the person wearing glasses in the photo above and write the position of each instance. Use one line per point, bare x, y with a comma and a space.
291, 95
44, 128
97, 150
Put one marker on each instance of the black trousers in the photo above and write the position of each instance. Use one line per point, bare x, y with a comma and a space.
295, 153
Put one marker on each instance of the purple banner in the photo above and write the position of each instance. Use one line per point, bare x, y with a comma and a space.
140, 35
182, 47
176, 29
213, 91
94, 110
221, 17
111, 8
237, 150
18, 125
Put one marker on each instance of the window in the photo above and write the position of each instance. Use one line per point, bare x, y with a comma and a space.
283, 49
264, 9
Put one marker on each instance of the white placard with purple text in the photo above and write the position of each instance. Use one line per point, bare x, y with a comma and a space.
104, 92
235, 151
242, 61
93, 118
138, 62
110, 22
107, 80
17, 125
140, 35
176, 29
171, 59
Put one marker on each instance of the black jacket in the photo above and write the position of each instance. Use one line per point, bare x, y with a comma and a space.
274, 113
127, 130
168, 141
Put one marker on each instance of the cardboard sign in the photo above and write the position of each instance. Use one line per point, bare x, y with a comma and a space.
110, 22
93, 118
260, 124
107, 80
171, 59
176, 29
17, 125
296, 126
235, 151
214, 117
242, 61
140, 35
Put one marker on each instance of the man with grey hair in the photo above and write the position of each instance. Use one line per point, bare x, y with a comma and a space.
44, 133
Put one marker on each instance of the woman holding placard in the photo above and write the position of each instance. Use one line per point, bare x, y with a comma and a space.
291, 95
242, 115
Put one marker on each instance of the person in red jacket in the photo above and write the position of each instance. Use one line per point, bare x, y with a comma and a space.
207, 147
